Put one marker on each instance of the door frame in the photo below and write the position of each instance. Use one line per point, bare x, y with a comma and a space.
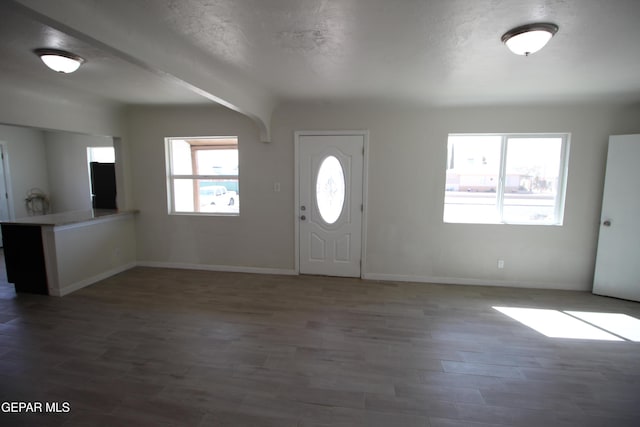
365, 191
7, 179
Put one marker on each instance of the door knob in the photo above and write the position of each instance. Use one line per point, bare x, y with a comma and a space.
303, 217
607, 223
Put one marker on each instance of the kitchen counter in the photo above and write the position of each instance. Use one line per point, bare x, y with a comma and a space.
59, 253
69, 218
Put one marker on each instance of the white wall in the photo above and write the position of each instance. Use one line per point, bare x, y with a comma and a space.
56, 109
81, 254
25, 151
261, 237
407, 239
55, 162
69, 183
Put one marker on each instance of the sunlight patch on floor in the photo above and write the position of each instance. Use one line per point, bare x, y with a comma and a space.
576, 324
620, 324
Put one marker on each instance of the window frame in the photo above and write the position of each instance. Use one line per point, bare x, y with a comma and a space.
558, 219
171, 177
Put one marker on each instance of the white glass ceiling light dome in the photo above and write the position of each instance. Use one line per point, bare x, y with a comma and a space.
529, 38
59, 60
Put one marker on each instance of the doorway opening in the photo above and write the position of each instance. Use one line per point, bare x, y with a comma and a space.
102, 176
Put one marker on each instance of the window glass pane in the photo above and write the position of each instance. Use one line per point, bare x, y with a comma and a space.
532, 179
102, 154
473, 168
217, 161
183, 195
330, 189
181, 157
206, 195
218, 195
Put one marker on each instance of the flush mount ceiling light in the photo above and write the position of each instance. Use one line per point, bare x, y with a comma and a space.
530, 38
59, 60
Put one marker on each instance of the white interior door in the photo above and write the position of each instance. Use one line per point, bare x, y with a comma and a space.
330, 204
617, 271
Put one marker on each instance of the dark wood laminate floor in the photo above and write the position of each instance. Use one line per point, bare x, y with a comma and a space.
160, 347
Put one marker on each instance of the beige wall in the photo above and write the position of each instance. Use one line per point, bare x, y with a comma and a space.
406, 236
260, 237
54, 108
69, 183
81, 254
53, 161
407, 239
26, 156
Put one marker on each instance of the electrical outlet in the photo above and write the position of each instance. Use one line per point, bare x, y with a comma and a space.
276, 187
500, 264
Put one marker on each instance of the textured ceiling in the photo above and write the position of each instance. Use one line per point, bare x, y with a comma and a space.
435, 52
438, 52
105, 76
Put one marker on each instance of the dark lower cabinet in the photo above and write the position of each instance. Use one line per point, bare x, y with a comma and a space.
24, 258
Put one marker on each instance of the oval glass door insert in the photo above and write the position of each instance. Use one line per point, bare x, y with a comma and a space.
330, 189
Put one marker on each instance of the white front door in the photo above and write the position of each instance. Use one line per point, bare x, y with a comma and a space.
330, 203
617, 271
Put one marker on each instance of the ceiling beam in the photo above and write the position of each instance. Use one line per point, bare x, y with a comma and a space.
123, 31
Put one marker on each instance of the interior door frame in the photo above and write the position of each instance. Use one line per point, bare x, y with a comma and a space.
7, 180
365, 190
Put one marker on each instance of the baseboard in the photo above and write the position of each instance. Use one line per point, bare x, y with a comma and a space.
290, 272
472, 282
223, 268
91, 280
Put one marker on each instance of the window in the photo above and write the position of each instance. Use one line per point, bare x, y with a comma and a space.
102, 177
506, 178
203, 175
101, 154
330, 189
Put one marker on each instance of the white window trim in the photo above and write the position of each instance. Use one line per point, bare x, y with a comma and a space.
171, 177
562, 177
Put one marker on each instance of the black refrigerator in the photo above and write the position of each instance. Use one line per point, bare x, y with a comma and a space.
103, 185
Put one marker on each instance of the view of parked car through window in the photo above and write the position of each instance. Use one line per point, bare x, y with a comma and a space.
216, 195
